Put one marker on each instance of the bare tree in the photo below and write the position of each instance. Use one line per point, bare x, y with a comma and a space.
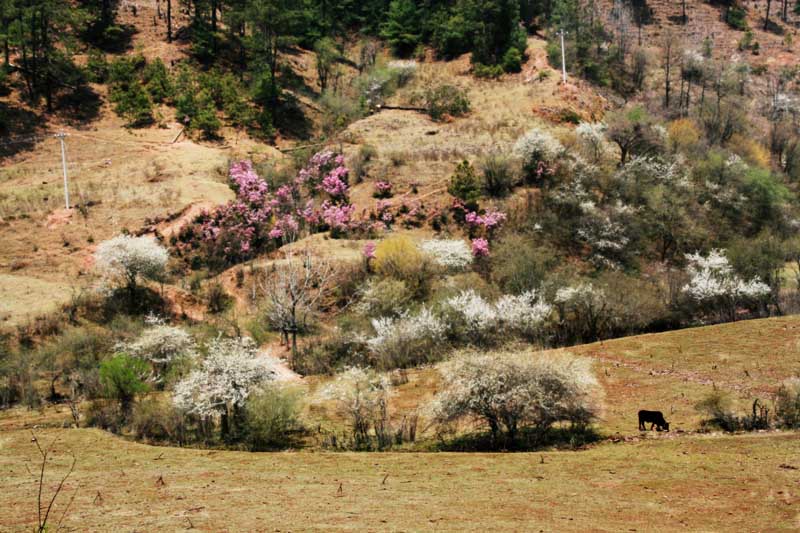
42, 513
670, 56
766, 16
293, 292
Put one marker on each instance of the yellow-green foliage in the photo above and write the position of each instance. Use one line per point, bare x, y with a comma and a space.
684, 135
399, 258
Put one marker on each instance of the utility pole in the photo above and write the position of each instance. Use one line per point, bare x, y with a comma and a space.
60, 137
562, 33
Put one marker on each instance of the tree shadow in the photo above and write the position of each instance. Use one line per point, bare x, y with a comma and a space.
114, 39
80, 106
290, 119
564, 437
18, 128
773, 27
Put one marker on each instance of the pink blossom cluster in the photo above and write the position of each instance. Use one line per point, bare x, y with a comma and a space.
369, 250
337, 217
335, 183
258, 217
383, 189
489, 220
248, 186
480, 247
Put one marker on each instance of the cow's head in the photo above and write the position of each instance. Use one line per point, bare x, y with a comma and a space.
666, 425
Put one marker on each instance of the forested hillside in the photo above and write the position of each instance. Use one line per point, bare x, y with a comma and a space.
358, 224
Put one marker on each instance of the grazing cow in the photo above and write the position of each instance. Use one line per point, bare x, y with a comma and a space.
655, 418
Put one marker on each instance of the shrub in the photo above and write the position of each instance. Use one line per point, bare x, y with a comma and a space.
271, 416
472, 319
717, 406
464, 185
218, 298
331, 354
498, 175
591, 137
161, 345
408, 340
684, 136
361, 397
385, 297
479, 70
123, 377
787, 404
442, 100
713, 285
513, 393
157, 81
453, 254
156, 420
520, 264
399, 258
538, 151
512, 60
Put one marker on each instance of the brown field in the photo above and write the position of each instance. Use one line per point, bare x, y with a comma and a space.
657, 482
719, 483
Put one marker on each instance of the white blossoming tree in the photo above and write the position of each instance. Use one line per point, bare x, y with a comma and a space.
473, 319
511, 393
591, 136
160, 344
583, 310
127, 260
361, 396
453, 254
407, 340
537, 150
218, 388
714, 285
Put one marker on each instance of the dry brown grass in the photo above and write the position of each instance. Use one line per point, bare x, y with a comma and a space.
719, 483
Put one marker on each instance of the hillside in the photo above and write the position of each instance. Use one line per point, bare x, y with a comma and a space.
628, 481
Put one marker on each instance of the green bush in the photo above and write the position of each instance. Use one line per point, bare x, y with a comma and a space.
122, 378
499, 176
444, 100
512, 60
787, 404
479, 70
158, 420
385, 297
465, 185
520, 264
271, 418
157, 81
736, 17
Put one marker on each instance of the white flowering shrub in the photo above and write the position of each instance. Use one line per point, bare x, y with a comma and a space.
361, 396
160, 344
224, 379
407, 340
592, 139
126, 259
606, 239
403, 70
470, 318
453, 254
584, 314
511, 393
537, 150
714, 284
523, 314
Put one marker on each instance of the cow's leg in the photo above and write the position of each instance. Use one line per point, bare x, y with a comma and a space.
652, 425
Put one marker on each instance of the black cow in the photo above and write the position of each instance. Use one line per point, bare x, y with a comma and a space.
655, 418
